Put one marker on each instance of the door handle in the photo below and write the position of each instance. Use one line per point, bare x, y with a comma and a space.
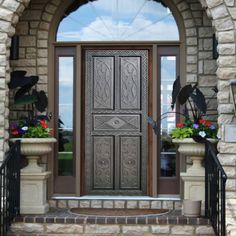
153, 123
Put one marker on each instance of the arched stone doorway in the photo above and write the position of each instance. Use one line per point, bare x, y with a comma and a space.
198, 57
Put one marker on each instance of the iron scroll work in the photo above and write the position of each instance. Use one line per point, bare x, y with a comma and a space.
116, 112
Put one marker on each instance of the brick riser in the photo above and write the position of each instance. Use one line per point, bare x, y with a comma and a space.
140, 204
59, 221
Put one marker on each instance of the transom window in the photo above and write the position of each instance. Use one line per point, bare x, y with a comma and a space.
119, 20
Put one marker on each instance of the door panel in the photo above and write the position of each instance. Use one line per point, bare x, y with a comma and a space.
130, 162
116, 106
103, 162
103, 80
130, 83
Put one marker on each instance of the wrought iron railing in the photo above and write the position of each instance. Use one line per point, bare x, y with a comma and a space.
215, 191
9, 188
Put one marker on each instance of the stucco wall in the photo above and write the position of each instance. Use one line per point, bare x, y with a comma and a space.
199, 20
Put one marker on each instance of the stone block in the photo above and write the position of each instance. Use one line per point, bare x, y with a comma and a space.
102, 229
204, 230
84, 204
31, 15
226, 49
226, 37
160, 229
119, 204
96, 204
224, 24
62, 204
73, 203
108, 204
168, 205
144, 204
132, 204
135, 229
22, 28
27, 228
226, 61
156, 204
182, 230
219, 11
11, 5
42, 43
64, 228
27, 41
210, 67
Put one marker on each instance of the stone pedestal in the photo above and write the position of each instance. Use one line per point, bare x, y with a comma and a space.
194, 186
194, 178
33, 193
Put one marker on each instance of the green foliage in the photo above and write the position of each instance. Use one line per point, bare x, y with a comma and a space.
181, 133
37, 132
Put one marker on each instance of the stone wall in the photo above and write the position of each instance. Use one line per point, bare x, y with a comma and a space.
198, 18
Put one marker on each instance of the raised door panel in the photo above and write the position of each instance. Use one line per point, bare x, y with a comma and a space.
103, 162
130, 163
103, 82
116, 122
130, 82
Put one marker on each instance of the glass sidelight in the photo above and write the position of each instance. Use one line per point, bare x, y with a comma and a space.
64, 120
168, 163
65, 116
167, 152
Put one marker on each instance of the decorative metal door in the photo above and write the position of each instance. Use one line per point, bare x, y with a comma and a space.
116, 105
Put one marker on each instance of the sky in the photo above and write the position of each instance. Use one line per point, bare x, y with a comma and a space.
111, 20
119, 20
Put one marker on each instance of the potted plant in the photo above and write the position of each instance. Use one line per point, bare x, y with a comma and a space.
194, 132
193, 136
33, 131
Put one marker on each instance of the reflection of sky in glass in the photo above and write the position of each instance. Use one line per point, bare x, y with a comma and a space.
66, 91
168, 76
108, 20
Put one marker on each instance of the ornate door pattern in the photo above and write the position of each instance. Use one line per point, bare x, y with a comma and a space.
116, 105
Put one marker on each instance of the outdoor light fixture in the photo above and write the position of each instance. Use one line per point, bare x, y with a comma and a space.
214, 47
233, 93
14, 50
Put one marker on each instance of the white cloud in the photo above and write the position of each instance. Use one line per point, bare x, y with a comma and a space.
141, 29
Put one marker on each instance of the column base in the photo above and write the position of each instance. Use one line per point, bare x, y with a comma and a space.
33, 194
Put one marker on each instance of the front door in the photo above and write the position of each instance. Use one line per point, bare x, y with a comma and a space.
116, 110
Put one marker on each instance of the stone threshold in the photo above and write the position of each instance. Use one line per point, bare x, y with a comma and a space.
108, 197
64, 216
136, 202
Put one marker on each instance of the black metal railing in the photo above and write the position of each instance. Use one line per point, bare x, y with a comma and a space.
215, 191
9, 188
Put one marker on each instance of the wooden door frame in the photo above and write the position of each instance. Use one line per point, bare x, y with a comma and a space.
153, 99
149, 131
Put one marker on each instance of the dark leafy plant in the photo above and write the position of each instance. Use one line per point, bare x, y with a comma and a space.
26, 94
191, 97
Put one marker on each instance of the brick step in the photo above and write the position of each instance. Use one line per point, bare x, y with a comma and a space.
62, 222
130, 202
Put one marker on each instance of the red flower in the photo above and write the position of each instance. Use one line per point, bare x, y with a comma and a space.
14, 132
202, 121
180, 125
43, 124
208, 124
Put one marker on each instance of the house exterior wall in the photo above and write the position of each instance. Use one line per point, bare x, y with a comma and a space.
200, 18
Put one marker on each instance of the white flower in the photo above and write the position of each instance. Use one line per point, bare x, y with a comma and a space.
24, 128
202, 134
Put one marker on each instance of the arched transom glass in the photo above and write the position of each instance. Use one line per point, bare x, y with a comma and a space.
119, 20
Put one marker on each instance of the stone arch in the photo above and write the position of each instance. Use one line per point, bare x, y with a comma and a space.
222, 17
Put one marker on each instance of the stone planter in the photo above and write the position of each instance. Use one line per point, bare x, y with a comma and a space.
196, 151
33, 193
194, 177
33, 148
191, 208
